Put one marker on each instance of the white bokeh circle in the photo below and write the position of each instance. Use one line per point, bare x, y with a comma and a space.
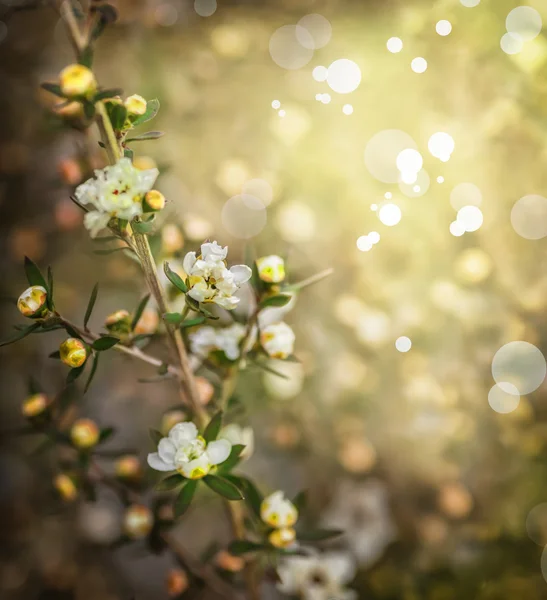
243, 216
465, 194
318, 31
286, 47
381, 153
503, 398
524, 21
519, 365
344, 76
529, 217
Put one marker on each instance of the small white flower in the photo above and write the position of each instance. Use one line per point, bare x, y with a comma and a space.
206, 339
210, 280
278, 340
322, 577
271, 269
115, 191
185, 451
277, 511
236, 434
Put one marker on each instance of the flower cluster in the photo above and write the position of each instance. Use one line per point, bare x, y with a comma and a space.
207, 339
116, 191
209, 280
185, 451
281, 514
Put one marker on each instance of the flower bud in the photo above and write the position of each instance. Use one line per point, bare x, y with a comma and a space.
128, 467
32, 303
84, 433
229, 562
138, 521
281, 538
136, 105
277, 511
271, 269
35, 405
118, 322
65, 486
177, 582
153, 201
73, 352
278, 340
77, 80
206, 389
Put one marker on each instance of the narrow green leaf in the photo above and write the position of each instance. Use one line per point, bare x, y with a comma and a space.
86, 57
191, 303
91, 304
253, 497
22, 333
155, 436
149, 135
71, 331
94, 366
318, 535
267, 368
238, 547
223, 487
192, 322
105, 434
104, 94
73, 374
173, 318
184, 499
56, 355
213, 427
138, 313
128, 153
34, 276
280, 300
142, 226
207, 313
50, 288
233, 459
104, 343
118, 115
152, 108
170, 483
174, 278
53, 88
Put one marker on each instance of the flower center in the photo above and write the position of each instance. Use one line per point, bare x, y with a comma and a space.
190, 451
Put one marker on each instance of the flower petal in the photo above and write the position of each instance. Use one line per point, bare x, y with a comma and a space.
167, 450
218, 451
197, 468
182, 433
241, 273
95, 221
158, 464
227, 302
188, 262
213, 252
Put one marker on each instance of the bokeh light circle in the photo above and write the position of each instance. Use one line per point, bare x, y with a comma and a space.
503, 398
465, 194
344, 76
205, 8
524, 21
389, 214
470, 217
456, 229
419, 64
470, 3
519, 365
443, 27
320, 73
243, 216
394, 45
381, 154
286, 48
314, 31
403, 344
259, 188
511, 43
419, 187
529, 217
441, 145
536, 524
347, 109
364, 244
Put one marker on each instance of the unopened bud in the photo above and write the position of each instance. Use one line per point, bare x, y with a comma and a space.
84, 433
118, 322
177, 582
138, 521
32, 303
153, 201
73, 352
35, 405
229, 562
128, 467
206, 389
65, 486
77, 80
136, 105
271, 269
281, 538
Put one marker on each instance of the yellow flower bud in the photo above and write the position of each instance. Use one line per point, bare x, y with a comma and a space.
73, 352
177, 582
32, 302
229, 562
84, 433
118, 322
128, 467
277, 511
153, 201
138, 521
271, 269
281, 538
77, 80
65, 486
35, 405
136, 105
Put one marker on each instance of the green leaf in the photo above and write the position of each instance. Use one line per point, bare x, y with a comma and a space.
267, 368
280, 300
213, 427
192, 322
50, 288
107, 14
155, 436
56, 355
73, 374
104, 94
105, 434
91, 304
223, 487
104, 343
253, 497
89, 109
118, 115
149, 135
173, 318
86, 57
94, 365
22, 333
152, 108
143, 226
138, 313
54, 88
238, 547
128, 153
207, 313
175, 279
170, 483
233, 459
184, 499
318, 535
191, 303
34, 276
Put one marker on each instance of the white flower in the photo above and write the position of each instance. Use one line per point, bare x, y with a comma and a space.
271, 269
322, 577
277, 511
362, 511
208, 278
236, 434
185, 451
206, 339
278, 340
115, 191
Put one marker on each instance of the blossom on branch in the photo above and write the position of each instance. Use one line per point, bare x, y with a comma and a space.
277, 340
271, 269
32, 303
